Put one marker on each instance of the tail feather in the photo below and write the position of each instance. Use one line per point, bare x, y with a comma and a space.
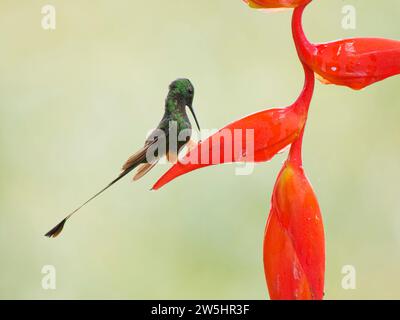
59, 227
138, 158
56, 230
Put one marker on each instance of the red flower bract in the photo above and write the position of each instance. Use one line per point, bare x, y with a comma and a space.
273, 130
355, 63
276, 3
294, 245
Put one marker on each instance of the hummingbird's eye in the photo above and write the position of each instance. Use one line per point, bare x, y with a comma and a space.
190, 91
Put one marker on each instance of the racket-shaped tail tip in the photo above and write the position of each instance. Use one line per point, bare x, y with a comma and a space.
56, 230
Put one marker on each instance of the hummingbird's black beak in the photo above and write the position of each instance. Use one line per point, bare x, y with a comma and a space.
194, 115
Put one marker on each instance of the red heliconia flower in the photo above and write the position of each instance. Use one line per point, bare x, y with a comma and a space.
275, 3
294, 244
355, 63
273, 130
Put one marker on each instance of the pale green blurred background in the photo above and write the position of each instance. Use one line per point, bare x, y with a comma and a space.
75, 102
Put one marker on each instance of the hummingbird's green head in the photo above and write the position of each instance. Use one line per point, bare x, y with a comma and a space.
183, 90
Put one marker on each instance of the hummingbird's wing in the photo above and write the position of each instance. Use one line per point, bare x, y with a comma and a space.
139, 160
143, 169
172, 157
137, 156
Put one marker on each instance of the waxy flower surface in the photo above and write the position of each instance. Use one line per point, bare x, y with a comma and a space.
355, 63
294, 242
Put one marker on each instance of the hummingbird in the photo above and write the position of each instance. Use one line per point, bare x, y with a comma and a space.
180, 96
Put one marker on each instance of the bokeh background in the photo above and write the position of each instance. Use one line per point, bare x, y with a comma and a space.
75, 102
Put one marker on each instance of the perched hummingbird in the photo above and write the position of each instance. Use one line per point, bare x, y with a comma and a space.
179, 97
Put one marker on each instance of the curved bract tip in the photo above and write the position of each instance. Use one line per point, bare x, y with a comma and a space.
355, 63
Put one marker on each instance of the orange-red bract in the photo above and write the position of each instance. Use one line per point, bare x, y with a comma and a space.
355, 63
294, 244
274, 129
275, 3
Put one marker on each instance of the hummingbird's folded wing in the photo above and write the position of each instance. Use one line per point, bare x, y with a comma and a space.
138, 157
143, 169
